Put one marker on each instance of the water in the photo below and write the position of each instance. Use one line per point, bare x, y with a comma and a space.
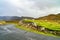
10, 32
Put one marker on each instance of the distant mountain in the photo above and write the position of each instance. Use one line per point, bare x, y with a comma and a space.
27, 17
10, 18
54, 17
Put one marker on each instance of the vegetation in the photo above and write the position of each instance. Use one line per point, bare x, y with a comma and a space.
47, 25
2, 22
32, 30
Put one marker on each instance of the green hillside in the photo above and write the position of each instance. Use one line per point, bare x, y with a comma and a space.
47, 25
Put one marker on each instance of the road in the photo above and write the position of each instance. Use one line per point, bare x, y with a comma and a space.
10, 32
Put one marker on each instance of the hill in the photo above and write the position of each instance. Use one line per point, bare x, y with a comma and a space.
51, 17
12, 18
49, 24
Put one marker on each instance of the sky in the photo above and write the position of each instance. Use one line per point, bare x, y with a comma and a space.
31, 8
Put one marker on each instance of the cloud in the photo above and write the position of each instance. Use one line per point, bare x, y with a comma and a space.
32, 8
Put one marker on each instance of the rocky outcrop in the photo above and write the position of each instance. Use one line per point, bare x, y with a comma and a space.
34, 26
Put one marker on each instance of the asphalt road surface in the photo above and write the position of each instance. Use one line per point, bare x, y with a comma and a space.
10, 32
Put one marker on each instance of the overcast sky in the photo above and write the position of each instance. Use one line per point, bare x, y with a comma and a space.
31, 8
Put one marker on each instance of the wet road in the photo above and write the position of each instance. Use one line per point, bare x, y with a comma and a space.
10, 32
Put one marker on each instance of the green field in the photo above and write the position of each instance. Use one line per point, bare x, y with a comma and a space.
46, 24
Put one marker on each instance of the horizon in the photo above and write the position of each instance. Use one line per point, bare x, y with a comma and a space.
29, 16
29, 8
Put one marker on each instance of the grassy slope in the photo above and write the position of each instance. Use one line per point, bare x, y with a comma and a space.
40, 23
35, 31
46, 24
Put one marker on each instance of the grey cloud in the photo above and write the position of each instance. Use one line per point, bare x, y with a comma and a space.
42, 4
33, 8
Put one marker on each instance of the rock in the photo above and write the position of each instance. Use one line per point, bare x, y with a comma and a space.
42, 28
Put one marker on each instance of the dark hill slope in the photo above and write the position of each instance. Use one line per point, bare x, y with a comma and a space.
51, 17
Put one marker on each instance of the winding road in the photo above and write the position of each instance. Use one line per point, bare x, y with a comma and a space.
10, 32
